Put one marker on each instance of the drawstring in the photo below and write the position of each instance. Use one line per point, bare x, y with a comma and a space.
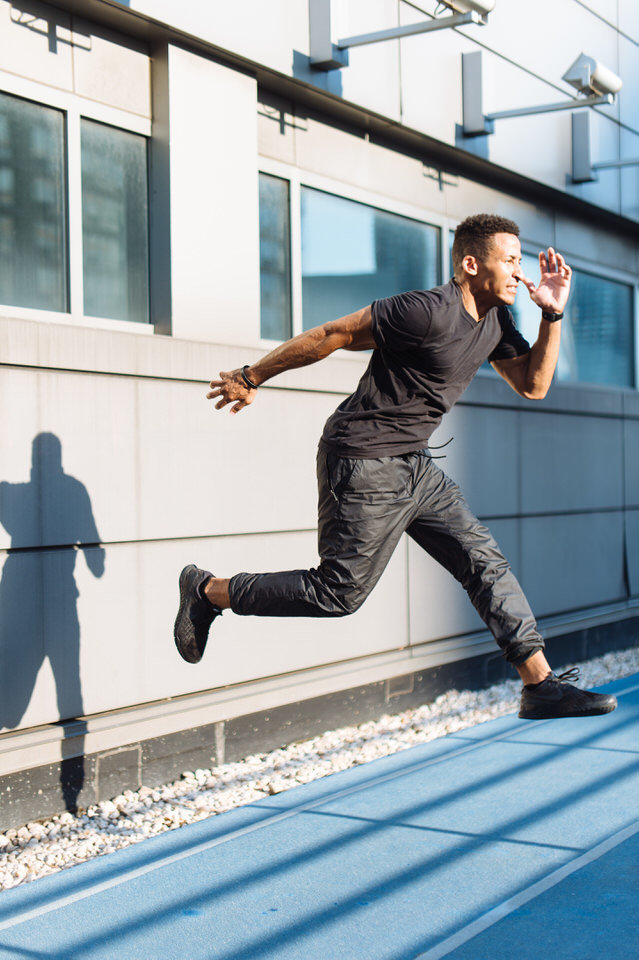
439, 447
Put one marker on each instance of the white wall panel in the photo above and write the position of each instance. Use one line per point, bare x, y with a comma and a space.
106, 70
570, 562
432, 79
265, 32
631, 462
214, 200
371, 61
89, 452
483, 457
36, 41
632, 550
629, 19
570, 463
205, 471
96, 633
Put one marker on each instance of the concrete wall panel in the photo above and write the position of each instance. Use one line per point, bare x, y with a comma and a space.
71, 474
631, 462
106, 70
214, 201
88, 631
632, 550
378, 59
572, 562
36, 41
570, 463
209, 472
483, 457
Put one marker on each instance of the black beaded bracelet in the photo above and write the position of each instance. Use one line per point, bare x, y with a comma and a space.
551, 317
246, 380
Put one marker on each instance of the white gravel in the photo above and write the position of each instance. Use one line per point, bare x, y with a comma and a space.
37, 849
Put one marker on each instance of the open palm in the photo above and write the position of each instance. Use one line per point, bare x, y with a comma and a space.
551, 293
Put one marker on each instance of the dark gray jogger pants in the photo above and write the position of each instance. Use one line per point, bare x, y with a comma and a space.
364, 507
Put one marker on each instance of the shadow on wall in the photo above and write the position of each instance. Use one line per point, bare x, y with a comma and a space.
49, 519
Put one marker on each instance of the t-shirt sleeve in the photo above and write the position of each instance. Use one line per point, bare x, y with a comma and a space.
401, 322
512, 343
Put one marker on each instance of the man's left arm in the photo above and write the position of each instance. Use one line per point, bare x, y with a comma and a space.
531, 374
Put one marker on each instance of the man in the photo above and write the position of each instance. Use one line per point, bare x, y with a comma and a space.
375, 474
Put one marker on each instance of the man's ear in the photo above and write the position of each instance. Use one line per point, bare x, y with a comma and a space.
469, 265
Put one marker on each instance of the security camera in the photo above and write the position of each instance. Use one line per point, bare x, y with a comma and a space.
483, 7
589, 76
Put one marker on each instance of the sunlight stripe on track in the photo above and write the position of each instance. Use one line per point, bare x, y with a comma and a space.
126, 876
93, 889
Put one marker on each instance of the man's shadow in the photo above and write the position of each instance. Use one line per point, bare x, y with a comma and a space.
49, 519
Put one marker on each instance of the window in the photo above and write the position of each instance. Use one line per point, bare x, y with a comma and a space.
353, 254
114, 223
598, 346
50, 259
275, 258
33, 225
597, 343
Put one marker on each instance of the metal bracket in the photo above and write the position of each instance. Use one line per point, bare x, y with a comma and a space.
476, 123
583, 169
326, 55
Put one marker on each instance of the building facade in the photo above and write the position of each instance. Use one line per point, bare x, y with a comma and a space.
181, 188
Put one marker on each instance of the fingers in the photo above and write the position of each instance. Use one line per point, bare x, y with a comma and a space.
553, 262
563, 267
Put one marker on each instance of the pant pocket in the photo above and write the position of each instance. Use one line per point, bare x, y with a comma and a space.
339, 471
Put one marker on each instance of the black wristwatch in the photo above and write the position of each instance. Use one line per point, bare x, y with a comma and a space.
551, 317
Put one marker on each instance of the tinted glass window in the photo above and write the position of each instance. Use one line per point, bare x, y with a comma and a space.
353, 254
275, 258
33, 248
597, 343
115, 223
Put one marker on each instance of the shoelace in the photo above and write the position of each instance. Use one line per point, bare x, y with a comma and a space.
569, 676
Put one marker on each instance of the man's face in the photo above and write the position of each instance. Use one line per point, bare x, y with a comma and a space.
497, 276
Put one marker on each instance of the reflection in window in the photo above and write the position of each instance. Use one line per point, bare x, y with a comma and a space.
353, 254
597, 343
114, 223
33, 250
275, 258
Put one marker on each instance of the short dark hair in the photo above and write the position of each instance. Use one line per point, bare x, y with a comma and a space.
473, 237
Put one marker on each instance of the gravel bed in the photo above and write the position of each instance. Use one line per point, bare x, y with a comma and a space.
44, 847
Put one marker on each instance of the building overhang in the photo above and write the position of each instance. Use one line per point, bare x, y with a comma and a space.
333, 108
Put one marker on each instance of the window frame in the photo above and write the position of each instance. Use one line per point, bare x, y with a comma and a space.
629, 279
298, 178
74, 109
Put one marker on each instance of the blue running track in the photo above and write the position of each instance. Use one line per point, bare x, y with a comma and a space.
514, 840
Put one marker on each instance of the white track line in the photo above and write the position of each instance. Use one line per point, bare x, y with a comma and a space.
498, 913
127, 875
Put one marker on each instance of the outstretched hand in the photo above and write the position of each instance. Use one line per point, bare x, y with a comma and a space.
552, 291
231, 388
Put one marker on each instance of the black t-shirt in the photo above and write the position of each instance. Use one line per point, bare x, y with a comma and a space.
428, 350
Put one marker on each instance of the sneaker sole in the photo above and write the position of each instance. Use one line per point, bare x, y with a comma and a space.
186, 652
549, 715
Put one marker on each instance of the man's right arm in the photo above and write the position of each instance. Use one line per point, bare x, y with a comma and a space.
352, 332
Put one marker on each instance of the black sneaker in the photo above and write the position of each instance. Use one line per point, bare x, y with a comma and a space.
553, 697
195, 616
